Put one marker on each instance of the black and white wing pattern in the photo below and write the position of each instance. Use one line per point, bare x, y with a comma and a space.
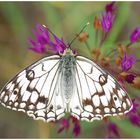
34, 91
97, 93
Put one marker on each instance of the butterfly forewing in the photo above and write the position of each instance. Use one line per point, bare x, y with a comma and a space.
34, 90
98, 94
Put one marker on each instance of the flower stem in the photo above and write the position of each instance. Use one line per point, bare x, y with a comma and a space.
88, 47
128, 45
111, 52
103, 39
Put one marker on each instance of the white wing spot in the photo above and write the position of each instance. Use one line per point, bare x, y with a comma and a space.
22, 105
13, 97
5, 98
96, 118
98, 110
50, 114
124, 105
128, 102
40, 113
113, 110
96, 100
31, 106
85, 119
106, 91
26, 96
120, 94
10, 102
22, 110
104, 100
2, 94
86, 114
89, 108
40, 105
16, 104
34, 97
50, 119
120, 113
59, 111
106, 110
98, 87
119, 109
32, 115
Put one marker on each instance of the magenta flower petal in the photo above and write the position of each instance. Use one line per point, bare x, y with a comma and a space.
129, 78
44, 43
127, 62
113, 131
64, 123
110, 7
135, 35
76, 129
107, 21
135, 106
38, 48
135, 119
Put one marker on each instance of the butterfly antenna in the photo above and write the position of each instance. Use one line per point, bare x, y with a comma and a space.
69, 44
53, 34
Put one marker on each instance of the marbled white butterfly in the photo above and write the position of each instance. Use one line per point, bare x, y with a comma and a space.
64, 83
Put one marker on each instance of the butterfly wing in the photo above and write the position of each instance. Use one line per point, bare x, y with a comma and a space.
34, 90
97, 93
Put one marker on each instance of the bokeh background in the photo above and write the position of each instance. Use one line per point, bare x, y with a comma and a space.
65, 19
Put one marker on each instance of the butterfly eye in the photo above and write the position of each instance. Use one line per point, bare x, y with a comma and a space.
30, 75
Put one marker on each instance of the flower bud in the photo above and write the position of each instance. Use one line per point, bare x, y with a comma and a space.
97, 23
83, 37
96, 53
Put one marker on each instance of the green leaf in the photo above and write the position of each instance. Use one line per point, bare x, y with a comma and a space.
128, 128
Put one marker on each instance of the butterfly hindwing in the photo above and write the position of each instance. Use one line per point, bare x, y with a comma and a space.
33, 90
98, 94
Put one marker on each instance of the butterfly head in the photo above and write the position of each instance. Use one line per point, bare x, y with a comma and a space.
68, 51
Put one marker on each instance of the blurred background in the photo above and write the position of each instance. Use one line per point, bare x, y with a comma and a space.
65, 19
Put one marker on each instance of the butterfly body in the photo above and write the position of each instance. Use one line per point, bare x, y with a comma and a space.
64, 83
67, 72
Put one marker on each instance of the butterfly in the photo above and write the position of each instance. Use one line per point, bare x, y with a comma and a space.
65, 83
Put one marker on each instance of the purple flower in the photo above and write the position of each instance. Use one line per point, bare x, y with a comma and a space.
129, 78
127, 62
134, 115
110, 7
113, 131
107, 21
135, 35
44, 43
135, 119
135, 106
76, 129
64, 125
38, 48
